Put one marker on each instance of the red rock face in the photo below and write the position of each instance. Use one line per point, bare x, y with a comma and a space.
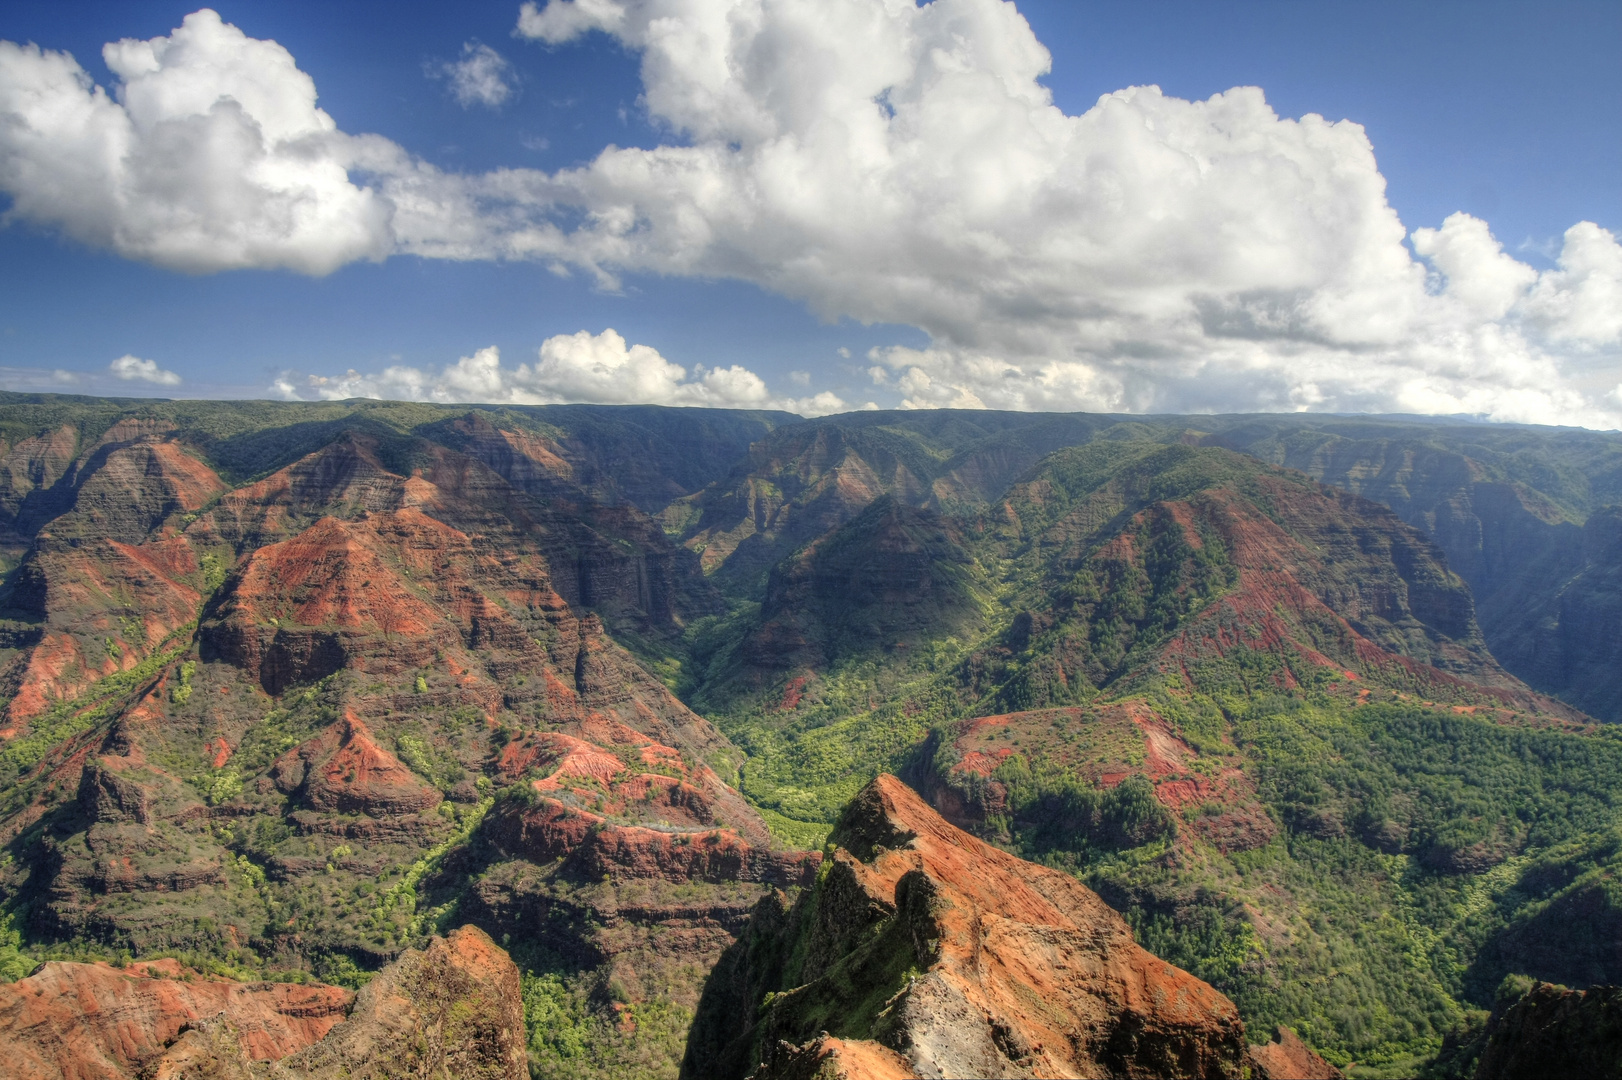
828, 1058
1288, 1058
453, 1009
1103, 744
108, 581
962, 959
358, 776
91, 1021
388, 641
593, 848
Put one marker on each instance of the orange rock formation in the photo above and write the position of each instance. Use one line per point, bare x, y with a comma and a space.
960, 958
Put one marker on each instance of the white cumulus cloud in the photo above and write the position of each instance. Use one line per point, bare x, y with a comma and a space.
877, 160
569, 368
210, 154
903, 163
134, 368
481, 77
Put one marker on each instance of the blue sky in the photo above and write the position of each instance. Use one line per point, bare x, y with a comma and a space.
1509, 113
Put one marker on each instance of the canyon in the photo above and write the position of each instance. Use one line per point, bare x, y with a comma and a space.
572, 728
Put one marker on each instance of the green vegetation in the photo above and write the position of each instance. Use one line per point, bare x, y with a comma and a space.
14, 962
396, 910
181, 692
583, 1027
67, 719
1414, 853
1370, 871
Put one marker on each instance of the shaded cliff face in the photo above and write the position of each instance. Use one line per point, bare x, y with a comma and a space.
959, 958
643, 455
1553, 1031
891, 580
1512, 507
803, 481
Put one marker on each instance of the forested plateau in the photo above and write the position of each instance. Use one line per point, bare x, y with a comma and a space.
597, 741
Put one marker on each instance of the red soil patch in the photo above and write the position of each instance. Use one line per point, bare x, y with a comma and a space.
220, 749
362, 776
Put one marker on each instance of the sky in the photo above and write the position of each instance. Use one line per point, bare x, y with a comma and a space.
820, 205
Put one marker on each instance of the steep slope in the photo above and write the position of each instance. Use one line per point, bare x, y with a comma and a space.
643, 455
402, 633
1553, 1031
1228, 696
107, 578
1197, 553
1510, 506
892, 579
803, 481
959, 958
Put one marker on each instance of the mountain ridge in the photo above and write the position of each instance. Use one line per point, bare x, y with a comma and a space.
288, 689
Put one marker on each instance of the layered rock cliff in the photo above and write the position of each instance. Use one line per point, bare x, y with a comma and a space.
957, 959
1525, 516
451, 1009
71, 1021
387, 630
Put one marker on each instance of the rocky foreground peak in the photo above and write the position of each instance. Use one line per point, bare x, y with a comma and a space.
923, 951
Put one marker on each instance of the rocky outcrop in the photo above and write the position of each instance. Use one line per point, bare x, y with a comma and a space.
593, 848
828, 1058
452, 1009
1288, 1058
91, 1021
958, 957
344, 770
1553, 1031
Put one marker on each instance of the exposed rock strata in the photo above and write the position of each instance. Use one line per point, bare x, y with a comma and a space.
1547, 606
452, 1009
90, 1021
960, 958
